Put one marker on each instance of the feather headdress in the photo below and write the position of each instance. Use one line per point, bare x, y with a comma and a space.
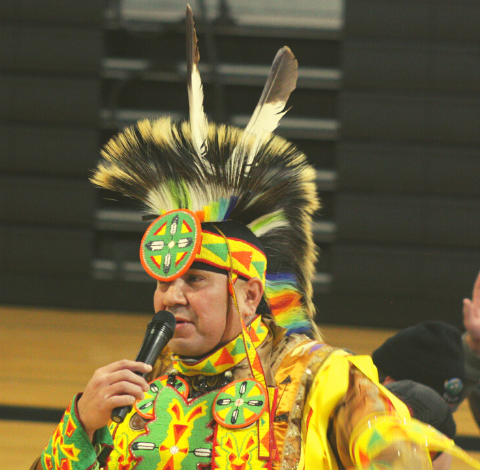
222, 173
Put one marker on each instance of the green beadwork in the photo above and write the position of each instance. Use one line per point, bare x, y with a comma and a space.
239, 404
181, 436
170, 244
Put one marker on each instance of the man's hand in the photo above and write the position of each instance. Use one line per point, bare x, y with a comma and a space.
114, 385
471, 318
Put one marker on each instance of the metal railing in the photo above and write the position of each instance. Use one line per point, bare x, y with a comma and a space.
285, 13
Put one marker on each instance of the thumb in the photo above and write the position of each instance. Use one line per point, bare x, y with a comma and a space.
467, 309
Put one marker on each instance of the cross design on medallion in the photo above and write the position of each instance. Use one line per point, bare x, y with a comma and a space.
240, 403
170, 243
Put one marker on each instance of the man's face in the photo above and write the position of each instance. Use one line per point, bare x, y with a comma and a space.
206, 317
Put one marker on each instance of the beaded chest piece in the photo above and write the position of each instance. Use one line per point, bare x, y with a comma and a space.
202, 420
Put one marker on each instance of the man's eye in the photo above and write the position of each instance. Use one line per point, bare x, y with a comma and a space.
194, 279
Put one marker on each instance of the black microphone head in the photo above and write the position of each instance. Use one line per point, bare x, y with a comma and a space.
161, 319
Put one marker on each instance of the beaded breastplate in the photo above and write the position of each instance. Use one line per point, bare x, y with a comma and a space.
217, 429
215, 422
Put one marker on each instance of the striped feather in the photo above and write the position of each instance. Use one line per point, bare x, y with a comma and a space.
281, 82
198, 119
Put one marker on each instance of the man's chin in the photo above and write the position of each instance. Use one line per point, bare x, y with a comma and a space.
188, 348
183, 347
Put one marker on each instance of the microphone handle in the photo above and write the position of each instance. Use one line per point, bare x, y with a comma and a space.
154, 342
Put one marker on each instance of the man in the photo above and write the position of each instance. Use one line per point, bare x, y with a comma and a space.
206, 319
426, 405
429, 353
246, 383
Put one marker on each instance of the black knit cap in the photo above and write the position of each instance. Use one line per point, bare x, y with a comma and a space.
425, 404
430, 353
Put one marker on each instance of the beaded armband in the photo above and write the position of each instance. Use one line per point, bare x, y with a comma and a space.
70, 448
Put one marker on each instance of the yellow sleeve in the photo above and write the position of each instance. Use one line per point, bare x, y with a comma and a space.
329, 389
366, 424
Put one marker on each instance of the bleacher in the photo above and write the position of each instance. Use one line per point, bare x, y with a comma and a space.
143, 78
387, 109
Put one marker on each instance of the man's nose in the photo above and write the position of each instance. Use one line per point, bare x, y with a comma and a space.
174, 294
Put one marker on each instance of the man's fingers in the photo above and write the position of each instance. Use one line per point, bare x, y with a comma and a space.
125, 388
120, 400
128, 376
127, 365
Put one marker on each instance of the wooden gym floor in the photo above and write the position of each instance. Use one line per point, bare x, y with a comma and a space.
46, 356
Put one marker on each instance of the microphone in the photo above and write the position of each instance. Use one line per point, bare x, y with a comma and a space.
159, 332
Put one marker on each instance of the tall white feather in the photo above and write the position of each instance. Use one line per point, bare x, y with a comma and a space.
281, 82
198, 119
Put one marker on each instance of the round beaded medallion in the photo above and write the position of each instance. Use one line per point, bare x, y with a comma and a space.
170, 244
240, 403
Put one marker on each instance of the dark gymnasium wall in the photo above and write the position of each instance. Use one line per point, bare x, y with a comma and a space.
50, 95
407, 204
387, 110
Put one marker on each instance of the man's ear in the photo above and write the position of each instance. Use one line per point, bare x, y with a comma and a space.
252, 293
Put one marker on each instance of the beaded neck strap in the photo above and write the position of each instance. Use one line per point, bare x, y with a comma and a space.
224, 358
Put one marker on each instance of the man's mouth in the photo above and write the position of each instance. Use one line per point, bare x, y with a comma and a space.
181, 319
182, 322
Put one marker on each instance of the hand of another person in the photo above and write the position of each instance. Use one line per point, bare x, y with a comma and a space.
471, 317
111, 386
